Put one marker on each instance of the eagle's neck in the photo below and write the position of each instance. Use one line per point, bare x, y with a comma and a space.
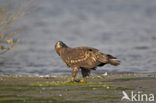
61, 50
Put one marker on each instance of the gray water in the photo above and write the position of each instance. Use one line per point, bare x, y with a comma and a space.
124, 28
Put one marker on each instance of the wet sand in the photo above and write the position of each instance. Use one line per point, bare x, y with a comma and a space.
54, 89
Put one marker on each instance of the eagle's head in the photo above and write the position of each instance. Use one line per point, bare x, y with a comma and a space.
59, 46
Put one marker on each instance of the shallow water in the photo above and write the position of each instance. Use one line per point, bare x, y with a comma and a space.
124, 28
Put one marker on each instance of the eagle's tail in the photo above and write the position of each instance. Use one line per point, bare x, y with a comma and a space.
113, 60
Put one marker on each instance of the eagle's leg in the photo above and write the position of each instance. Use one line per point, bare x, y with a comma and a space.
85, 73
74, 73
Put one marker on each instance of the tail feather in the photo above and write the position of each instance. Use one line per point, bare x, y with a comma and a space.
113, 60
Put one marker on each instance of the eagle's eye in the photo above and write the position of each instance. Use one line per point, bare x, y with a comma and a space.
61, 44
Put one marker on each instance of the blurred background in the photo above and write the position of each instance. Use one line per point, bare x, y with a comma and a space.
124, 28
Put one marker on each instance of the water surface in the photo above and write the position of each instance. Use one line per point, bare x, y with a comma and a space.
124, 28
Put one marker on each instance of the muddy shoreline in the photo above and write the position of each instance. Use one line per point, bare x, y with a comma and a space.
54, 89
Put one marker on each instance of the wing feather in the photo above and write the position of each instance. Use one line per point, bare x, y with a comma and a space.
80, 56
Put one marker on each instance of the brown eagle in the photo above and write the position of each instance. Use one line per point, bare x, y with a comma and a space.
84, 58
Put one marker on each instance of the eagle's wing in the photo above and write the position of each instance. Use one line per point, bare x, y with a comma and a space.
82, 56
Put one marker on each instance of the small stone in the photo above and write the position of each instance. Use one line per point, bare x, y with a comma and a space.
40, 84
99, 76
107, 87
47, 76
94, 88
37, 75
41, 76
105, 74
60, 95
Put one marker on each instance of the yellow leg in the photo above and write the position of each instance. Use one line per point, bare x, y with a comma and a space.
73, 79
83, 80
74, 73
85, 73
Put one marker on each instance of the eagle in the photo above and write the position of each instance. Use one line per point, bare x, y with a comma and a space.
84, 58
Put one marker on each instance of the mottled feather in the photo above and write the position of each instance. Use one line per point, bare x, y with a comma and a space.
84, 57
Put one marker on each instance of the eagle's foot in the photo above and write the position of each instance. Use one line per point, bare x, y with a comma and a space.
78, 81
82, 81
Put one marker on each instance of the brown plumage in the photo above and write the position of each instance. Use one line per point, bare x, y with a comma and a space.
84, 58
